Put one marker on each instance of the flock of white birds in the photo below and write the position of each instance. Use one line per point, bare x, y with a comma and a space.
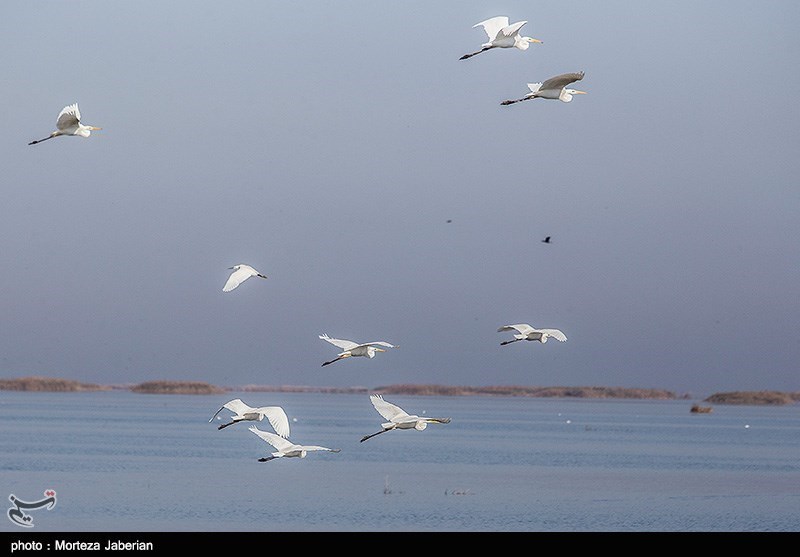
396, 419
501, 34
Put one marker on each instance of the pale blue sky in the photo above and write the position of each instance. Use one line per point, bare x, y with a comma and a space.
328, 144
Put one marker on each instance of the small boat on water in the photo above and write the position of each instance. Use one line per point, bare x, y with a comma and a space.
697, 409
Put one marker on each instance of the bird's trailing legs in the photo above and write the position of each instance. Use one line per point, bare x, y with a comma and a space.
266, 458
40, 140
335, 360
223, 426
374, 434
471, 54
512, 101
509, 341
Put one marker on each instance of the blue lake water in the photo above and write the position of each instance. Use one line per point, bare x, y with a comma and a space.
127, 462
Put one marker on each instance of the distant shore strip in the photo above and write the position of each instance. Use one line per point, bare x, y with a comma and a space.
51, 384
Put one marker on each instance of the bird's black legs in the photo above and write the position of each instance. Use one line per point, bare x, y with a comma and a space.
373, 435
470, 55
223, 426
509, 341
40, 140
266, 458
328, 363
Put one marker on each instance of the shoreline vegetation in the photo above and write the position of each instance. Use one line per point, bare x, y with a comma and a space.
52, 384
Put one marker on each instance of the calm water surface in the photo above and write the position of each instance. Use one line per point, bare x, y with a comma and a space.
127, 462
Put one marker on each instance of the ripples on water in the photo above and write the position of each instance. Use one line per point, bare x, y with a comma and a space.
126, 462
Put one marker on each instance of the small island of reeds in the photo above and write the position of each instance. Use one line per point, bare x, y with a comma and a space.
754, 397
177, 388
48, 384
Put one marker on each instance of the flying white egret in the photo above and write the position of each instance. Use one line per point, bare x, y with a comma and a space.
242, 412
284, 447
553, 88
502, 35
526, 332
69, 123
399, 418
240, 274
352, 349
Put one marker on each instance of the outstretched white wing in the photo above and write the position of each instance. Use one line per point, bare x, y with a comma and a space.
511, 30
493, 26
523, 328
378, 343
389, 411
318, 448
555, 333
235, 405
276, 441
277, 419
560, 81
68, 117
340, 343
237, 277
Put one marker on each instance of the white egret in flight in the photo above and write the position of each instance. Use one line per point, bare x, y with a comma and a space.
553, 88
69, 123
352, 349
526, 332
284, 447
242, 412
397, 418
502, 35
240, 274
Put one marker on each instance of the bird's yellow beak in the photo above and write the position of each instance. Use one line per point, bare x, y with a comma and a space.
535, 41
380, 350
580, 93
94, 128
